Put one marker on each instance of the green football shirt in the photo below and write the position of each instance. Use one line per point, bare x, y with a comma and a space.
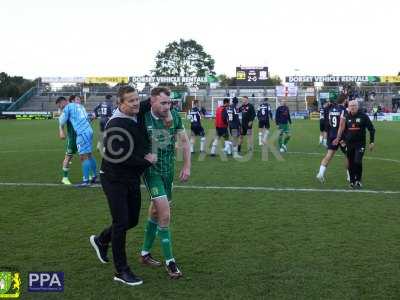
71, 134
162, 143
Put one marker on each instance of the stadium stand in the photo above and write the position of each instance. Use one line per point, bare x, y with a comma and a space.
44, 100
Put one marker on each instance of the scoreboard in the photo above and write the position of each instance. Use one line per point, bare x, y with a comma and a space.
251, 76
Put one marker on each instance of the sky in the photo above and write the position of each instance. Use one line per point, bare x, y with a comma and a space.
122, 37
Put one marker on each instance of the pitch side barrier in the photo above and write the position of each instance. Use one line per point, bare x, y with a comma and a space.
27, 115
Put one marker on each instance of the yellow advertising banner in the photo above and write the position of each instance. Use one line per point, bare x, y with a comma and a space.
111, 80
314, 115
390, 79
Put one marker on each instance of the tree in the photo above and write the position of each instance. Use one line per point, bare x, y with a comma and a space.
183, 58
274, 80
13, 86
226, 81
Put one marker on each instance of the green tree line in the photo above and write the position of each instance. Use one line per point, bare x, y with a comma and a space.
14, 86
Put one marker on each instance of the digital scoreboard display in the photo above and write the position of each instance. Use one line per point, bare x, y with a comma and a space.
251, 76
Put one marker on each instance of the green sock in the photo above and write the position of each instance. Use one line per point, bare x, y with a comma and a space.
280, 140
287, 138
149, 235
65, 172
166, 244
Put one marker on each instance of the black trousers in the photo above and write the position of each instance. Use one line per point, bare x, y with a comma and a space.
355, 155
124, 201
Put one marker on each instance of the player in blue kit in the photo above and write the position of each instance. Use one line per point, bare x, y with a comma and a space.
248, 114
77, 116
264, 115
194, 116
231, 115
104, 111
323, 117
334, 114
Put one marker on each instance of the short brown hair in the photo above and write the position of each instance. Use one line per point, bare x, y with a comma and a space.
72, 98
160, 89
60, 99
126, 89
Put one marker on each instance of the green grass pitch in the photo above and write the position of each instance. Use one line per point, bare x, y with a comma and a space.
230, 244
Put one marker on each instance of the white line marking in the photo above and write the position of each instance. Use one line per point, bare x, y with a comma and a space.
289, 152
32, 150
282, 189
341, 155
238, 188
31, 184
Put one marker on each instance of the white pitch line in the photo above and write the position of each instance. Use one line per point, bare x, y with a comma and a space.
281, 189
30, 184
238, 188
32, 150
366, 157
289, 152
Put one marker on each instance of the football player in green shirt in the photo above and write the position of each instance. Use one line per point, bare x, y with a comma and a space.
159, 178
70, 148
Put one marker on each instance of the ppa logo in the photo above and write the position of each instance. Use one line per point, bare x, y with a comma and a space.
46, 282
